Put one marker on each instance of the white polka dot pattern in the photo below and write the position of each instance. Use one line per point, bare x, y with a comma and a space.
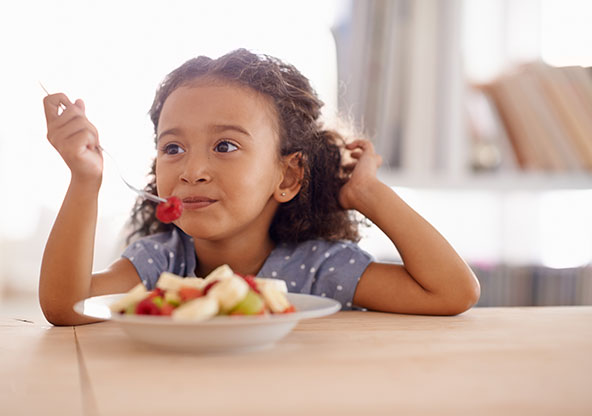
318, 267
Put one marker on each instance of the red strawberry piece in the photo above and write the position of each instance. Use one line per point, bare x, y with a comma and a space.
147, 307
189, 293
170, 210
290, 309
167, 309
209, 286
156, 292
251, 282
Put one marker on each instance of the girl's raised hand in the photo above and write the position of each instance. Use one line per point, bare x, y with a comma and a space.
363, 173
74, 137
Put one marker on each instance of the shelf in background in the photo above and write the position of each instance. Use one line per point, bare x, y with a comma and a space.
490, 181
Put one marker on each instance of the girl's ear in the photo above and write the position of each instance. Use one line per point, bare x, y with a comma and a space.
292, 175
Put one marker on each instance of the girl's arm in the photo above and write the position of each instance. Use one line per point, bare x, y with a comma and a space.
66, 268
433, 279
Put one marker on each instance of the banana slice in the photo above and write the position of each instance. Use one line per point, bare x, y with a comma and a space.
196, 310
220, 273
135, 295
278, 284
170, 281
275, 299
229, 292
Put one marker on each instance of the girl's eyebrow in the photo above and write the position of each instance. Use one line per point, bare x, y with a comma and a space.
215, 128
174, 131
224, 127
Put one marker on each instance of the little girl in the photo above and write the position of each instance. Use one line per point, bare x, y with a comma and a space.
264, 190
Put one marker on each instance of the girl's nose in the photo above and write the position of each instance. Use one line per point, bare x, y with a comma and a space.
196, 169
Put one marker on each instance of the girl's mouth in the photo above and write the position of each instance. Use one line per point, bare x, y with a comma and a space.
197, 202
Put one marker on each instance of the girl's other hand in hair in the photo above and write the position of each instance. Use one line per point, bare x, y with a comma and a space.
74, 137
363, 170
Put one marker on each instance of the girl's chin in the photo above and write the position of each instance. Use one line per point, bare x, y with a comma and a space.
198, 230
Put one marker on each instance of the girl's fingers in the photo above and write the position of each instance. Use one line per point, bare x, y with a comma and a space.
80, 104
356, 154
81, 139
70, 122
70, 113
51, 105
348, 167
62, 136
360, 143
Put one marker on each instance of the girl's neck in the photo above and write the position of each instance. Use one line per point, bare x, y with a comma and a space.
244, 256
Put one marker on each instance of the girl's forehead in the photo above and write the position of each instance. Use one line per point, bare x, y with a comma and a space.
218, 93
230, 101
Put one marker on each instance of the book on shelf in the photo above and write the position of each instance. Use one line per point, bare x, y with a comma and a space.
563, 96
490, 144
546, 113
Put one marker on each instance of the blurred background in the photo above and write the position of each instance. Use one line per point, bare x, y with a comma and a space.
482, 110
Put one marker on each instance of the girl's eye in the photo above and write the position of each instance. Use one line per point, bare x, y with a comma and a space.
225, 147
172, 149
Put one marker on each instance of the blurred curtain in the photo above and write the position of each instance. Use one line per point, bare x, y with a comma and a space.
401, 81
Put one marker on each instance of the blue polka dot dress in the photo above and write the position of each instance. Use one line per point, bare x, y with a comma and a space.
317, 267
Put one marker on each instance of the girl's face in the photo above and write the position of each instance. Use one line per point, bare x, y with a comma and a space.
217, 150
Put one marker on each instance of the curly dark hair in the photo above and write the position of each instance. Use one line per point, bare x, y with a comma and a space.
313, 213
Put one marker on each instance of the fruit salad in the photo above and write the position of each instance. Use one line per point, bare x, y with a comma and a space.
222, 292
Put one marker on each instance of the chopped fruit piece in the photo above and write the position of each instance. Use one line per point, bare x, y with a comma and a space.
170, 210
147, 307
167, 309
252, 304
275, 283
189, 293
251, 282
229, 292
169, 281
275, 300
132, 297
156, 292
222, 292
172, 298
196, 310
157, 300
209, 286
219, 273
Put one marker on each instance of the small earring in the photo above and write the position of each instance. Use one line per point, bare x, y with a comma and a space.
283, 194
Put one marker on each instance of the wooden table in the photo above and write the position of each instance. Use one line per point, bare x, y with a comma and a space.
498, 361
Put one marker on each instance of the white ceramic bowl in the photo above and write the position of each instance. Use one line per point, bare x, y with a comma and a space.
218, 334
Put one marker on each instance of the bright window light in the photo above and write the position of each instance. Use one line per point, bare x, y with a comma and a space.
113, 54
565, 224
566, 32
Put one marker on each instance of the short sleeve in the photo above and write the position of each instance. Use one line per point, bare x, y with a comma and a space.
164, 252
340, 271
318, 267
